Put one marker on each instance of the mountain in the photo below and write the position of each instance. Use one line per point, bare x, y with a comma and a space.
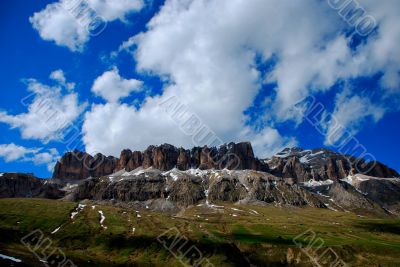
323, 164
299, 164
167, 178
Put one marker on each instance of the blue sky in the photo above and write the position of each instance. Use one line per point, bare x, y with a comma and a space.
239, 68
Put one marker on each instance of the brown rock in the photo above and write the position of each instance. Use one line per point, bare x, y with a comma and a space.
183, 162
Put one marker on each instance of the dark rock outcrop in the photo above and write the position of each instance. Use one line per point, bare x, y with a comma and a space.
78, 165
22, 185
226, 188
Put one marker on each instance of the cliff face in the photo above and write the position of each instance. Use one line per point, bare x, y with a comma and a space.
294, 163
196, 187
79, 165
26, 185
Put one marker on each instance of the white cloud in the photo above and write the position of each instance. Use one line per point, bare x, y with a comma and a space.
268, 142
63, 22
207, 51
115, 9
48, 158
349, 114
12, 152
54, 23
129, 128
50, 111
59, 76
112, 87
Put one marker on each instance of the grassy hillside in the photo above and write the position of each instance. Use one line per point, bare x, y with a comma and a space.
228, 236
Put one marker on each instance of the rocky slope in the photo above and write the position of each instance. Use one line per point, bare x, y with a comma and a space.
195, 187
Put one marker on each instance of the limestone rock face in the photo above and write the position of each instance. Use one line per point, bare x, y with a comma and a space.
140, 189
101, 164
129, 160
294, 169
165, 157
72, 166
186, 191
183, 161
79, 165
125, 160
227, 188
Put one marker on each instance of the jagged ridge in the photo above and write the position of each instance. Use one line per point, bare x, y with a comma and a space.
80, 165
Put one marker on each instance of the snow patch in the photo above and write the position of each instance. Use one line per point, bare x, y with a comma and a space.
348, 179
77, 210
68, 186
174, 174
304, 160
2, 256
329, 207
319, 193
56, 230
314, 183
117, 174
206, 194
102, 219
255, 212
236, 209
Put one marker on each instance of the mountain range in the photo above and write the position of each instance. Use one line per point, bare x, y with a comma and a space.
167, 178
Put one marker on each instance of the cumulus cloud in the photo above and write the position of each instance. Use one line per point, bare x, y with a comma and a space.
210, 65
112, 87
12, 152
208, 52
71, 23
50, 111
54, 23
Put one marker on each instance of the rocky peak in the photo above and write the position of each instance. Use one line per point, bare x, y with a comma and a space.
323, 164
80, 165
